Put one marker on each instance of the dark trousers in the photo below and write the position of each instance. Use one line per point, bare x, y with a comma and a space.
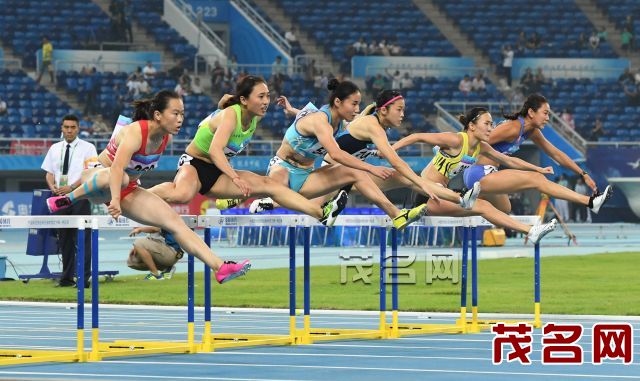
67, 241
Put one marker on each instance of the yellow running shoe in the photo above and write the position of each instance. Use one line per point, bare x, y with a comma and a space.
408, 216
227, 203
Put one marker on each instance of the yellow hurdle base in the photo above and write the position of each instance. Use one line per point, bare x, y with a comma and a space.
423, 329
20, 356
229, 340
327, 334
137, 348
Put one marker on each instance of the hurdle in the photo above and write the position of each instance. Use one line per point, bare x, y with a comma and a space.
213, 341
99, 350
30, 356
118, 348
309, 335
462, 324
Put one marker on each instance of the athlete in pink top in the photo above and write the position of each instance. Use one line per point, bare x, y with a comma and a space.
134, 149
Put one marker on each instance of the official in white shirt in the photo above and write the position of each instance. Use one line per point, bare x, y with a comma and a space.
64, 164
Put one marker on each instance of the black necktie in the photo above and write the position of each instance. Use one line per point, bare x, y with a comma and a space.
65, 165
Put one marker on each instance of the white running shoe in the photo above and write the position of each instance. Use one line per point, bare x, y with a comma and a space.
470, 196
537, 232
600, 198
260, 205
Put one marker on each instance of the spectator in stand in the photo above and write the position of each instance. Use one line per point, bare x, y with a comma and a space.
535, 42
383, 48
406, 82
185, 78
602, 34
360, 47
521, 44
217, 77
539, 80
582, 42
597, 131
291, 37
233, 66
594, 41
395, 78
278, 68
465, 85
631, 91
47, 58
183, 88
627, 39
91, 89
133, 86
309, 68
317, 83
394, 48
149, 72
144, 87
378, 84
628, 23
567, 116
176, 70
507, 62
99, 127
127, 14
478, 85
196, 89
527, 81
3, 107
372, 49
627, 76
563, 205
582, 210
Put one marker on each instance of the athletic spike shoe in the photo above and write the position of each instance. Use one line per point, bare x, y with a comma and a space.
408, 216
599, 199
260, 205
152, 276
470, 196
332, 208
537, 232
231, 270
227, 203
168, 274
57, 203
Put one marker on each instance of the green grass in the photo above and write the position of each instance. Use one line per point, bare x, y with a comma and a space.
605, 284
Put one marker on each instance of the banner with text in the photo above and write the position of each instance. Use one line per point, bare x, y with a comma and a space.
456, 67
100, 59
608, 68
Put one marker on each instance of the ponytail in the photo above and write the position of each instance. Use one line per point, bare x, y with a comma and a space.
534, 102
340, 90
243, 89
144, 108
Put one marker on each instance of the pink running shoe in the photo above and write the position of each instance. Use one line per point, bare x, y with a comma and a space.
231, 270
57, 203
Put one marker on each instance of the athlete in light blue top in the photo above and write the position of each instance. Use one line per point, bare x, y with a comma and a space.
312, 135
506, 138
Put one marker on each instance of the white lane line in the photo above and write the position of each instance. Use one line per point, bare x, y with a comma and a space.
114, 376
377, 369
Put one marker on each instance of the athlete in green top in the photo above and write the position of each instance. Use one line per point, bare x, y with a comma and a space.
205, 166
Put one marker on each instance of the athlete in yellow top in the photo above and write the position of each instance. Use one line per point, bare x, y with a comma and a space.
458, 151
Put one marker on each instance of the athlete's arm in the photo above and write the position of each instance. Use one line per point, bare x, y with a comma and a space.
560, 157
324, 133
289, 110
442, 139
511, 162
130, 141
